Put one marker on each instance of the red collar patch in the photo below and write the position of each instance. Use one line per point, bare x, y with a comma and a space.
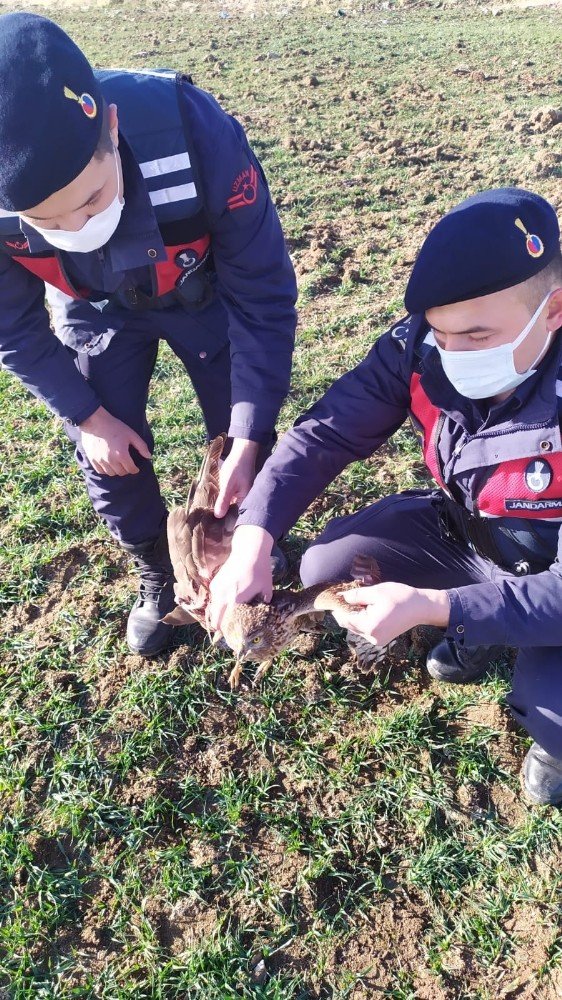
18, 244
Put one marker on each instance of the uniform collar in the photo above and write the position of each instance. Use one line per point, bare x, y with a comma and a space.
137, 241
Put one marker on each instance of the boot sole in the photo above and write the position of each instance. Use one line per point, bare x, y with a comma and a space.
537, 801
434, 672
149, 652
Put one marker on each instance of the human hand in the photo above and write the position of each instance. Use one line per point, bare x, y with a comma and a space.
245, 574
236, 474
106, 443
383, 612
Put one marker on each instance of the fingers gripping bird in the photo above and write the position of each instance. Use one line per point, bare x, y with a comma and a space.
260, 631
200, 543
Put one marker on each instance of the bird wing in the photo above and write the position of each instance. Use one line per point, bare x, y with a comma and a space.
180, 535
328, 598
179, 616
204, 492
199, 542
211, 540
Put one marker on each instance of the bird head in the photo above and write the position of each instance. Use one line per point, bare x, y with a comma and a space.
246, 628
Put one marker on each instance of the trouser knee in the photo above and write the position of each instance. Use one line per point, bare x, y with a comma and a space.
316, 566
536, 696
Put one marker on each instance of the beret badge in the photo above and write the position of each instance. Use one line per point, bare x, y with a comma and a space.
86, 102
533, 243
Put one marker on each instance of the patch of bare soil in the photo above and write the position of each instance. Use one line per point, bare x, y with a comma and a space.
522, 976
390, 938
183, 926
496, 797
36, 617
532, 940
90, 941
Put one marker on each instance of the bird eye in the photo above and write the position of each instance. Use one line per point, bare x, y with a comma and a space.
256, 640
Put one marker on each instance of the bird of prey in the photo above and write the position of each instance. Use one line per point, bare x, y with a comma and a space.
200, 543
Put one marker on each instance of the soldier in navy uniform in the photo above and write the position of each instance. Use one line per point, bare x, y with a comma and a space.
476, 364
136, 202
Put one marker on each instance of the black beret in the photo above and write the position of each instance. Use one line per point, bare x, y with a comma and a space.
51, 110
491, 241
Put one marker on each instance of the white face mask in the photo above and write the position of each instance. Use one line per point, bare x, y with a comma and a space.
484, 373
94, 233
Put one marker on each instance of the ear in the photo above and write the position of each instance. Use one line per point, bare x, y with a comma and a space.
554, 314
113, 124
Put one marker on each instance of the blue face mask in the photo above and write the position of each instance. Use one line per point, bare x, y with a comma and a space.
485, 373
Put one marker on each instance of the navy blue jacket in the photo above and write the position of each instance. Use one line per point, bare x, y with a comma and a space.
474, 443
253, 283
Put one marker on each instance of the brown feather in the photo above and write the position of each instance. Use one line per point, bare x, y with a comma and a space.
199, 542
179, 616
366, 569
207, 482
179, 544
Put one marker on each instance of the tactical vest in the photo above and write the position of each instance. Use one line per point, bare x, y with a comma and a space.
521, 487
158, 133
517, 501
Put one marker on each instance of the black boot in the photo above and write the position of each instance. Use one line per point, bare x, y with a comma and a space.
457, 665
542, 775
368, 655
146, 634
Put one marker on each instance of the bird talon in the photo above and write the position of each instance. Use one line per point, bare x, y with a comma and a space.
235, 675
262, 669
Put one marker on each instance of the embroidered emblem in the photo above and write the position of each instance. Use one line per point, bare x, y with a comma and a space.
244, 189
533, 243
18, 244
186, 258
538, 475
400, 332
86, 102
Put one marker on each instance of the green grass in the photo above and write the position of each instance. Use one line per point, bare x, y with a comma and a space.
362, 835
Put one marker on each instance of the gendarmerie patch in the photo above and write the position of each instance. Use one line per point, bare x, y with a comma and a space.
538, 475
533, 505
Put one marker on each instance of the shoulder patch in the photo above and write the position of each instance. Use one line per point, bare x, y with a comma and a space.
401, 330
244, 189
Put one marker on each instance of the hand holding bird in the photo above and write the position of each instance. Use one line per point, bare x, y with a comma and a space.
200, 544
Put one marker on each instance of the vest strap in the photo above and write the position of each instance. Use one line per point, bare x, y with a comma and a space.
484, 535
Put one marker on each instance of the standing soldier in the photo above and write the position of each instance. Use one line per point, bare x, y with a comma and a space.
157, 224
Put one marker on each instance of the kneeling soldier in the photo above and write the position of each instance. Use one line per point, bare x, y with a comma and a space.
477, 365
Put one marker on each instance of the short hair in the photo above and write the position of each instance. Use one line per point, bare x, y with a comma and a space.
105, 142
534, 289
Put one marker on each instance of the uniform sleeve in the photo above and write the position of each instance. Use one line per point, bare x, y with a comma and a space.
30, 350
509, 610
356, 415
256, 277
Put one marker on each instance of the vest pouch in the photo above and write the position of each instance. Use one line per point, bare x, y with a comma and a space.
80, 326
204, 332
194, 287
514, 547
